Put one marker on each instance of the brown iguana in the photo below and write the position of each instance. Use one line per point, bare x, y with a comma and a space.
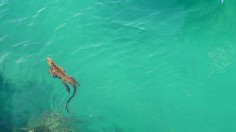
58, 72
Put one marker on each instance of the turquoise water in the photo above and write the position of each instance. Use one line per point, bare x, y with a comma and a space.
156, 65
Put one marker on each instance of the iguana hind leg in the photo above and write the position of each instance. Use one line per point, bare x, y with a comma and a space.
67, 87
74, 80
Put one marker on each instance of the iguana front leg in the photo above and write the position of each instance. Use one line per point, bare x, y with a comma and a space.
67, 87
52, 73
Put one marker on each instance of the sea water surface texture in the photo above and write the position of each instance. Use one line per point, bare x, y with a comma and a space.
143, 65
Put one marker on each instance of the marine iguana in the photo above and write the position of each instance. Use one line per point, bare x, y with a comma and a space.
58, 72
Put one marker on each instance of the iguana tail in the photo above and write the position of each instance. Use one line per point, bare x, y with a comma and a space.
72, 81
67, 103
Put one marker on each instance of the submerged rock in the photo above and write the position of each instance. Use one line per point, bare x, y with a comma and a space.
50, 122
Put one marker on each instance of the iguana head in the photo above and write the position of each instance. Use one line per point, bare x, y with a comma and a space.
49, 61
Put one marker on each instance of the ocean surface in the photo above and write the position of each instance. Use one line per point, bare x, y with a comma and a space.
143, 65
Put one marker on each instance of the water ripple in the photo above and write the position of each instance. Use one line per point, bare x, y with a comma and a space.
2, 57
24, 43
60, 26
17, 20
3, 38
3, 8
38, 12
20, 60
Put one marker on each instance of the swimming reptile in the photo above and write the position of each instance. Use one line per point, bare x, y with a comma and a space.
58, 72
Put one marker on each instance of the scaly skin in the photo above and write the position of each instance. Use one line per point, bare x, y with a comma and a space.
58, 72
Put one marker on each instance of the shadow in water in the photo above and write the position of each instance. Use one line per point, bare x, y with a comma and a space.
6, 91
30, 100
